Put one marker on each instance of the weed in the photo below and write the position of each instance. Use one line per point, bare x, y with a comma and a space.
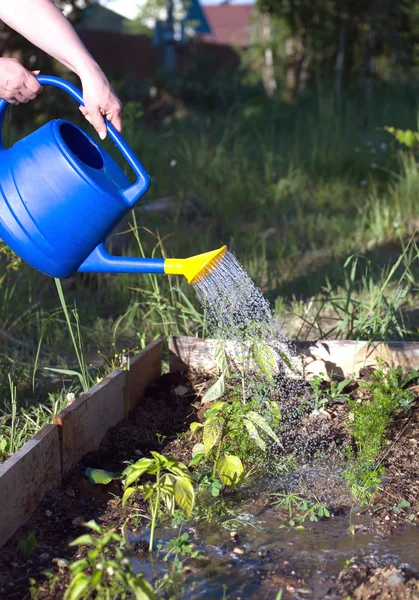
334, 393
299, 509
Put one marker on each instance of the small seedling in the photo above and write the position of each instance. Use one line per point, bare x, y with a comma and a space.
28, 545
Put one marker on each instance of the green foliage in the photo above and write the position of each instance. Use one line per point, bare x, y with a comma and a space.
369, 421
28, 545
406, 137
100, 476
333, 393
299, 509
172, 486
106, 571
226, 426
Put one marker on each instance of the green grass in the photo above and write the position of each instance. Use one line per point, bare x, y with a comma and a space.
315, 199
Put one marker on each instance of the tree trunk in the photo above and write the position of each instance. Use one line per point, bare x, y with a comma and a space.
340, 58
373, 9
269, 81
301, 74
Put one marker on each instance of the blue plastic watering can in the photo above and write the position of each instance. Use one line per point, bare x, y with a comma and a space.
61, 195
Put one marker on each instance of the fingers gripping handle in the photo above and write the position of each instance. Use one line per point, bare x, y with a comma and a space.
142, 182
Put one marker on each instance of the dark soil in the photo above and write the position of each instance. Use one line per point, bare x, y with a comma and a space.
161, 423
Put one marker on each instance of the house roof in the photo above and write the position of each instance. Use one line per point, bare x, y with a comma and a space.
230, 24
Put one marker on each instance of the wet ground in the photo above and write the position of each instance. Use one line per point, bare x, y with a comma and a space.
249, 551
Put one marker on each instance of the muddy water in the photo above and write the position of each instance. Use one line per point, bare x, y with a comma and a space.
263, 558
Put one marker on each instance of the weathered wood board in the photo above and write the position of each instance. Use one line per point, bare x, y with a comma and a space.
343, 358
26, 477
83, 425
46, 459
145, 368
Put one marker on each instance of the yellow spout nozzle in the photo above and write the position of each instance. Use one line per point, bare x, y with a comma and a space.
196, 267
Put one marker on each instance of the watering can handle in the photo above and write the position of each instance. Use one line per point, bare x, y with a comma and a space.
142, 183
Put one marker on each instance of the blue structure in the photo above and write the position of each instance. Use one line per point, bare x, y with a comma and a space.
61, 194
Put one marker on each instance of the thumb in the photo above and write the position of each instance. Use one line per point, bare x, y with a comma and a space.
36, 73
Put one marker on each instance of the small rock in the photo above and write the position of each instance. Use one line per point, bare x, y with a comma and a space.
180, 390
69, 398
395, 578
48, 513
303, 591
262, 553
238, 551
70, 493
386, 518
188, 569
138, 453
77, 521
234, 535
44, 556
61, 562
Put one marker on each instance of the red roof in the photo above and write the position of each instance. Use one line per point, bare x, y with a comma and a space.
230, 23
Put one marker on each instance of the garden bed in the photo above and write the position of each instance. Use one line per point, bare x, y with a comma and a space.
248, 548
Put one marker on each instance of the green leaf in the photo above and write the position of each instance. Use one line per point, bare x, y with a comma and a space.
101, 476
142, 589
274, 408
128, 492
261, 422
198, 449
230, 469
94, 526
194, 426
266, 359
184, 494
133, 472
215, 391
79, 565
253, 432
83, 540
212, 431
78, 587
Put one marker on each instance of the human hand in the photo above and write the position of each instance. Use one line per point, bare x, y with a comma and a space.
100, 102
17, 84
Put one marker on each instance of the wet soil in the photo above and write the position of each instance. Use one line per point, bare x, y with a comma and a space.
249, 553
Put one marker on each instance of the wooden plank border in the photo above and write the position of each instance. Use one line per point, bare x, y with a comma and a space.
47, 458
25, 478
343, 358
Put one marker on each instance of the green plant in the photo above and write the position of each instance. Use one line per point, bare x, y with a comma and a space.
368, 422
172, 485
299, 509
407, 137
178, 550
28, 545
224, 426
322, 397
106, 572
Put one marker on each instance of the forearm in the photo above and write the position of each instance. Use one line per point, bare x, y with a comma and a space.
43, 24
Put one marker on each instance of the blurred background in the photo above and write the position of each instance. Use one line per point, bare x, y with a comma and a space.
286, 129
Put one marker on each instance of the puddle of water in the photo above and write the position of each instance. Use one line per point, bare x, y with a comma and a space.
273, 555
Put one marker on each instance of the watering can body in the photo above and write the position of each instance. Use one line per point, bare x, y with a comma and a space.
61, 195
